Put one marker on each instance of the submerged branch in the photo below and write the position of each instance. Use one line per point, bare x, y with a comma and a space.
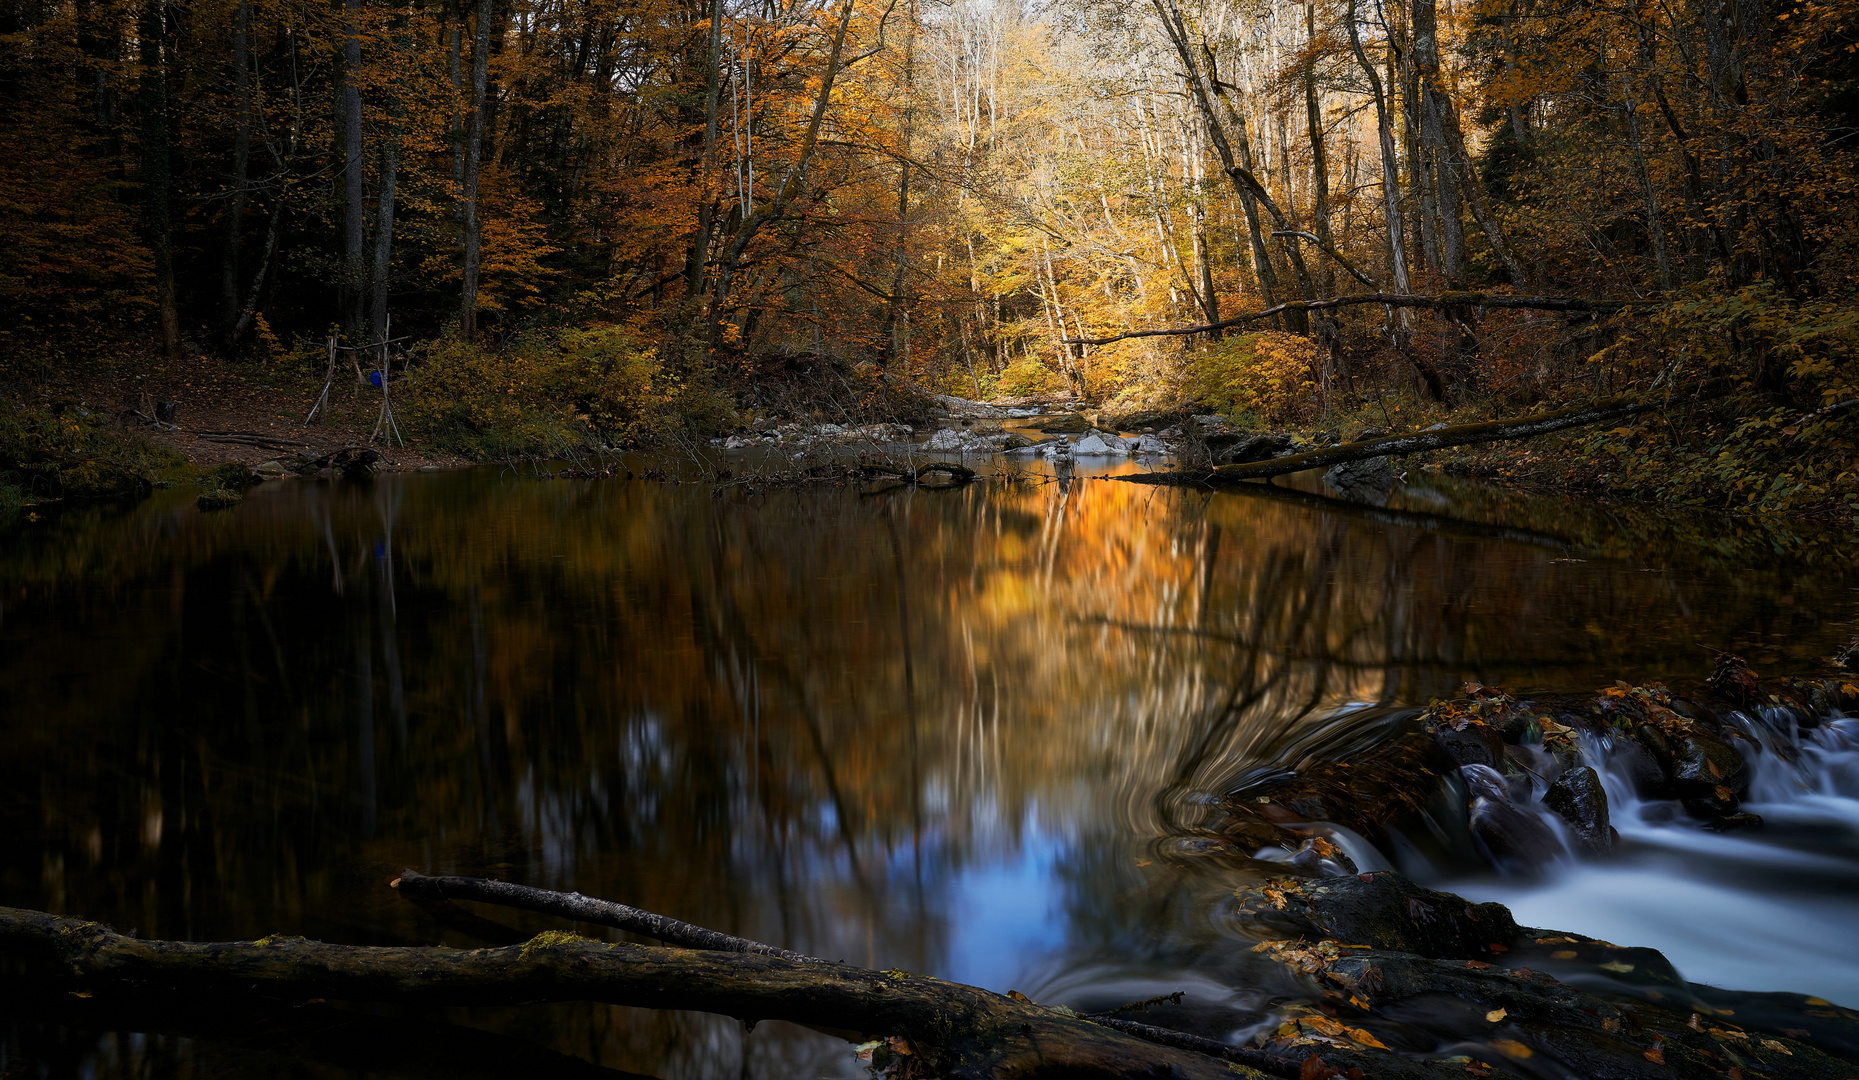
1393, 300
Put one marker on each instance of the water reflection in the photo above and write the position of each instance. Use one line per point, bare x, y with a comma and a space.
960, 732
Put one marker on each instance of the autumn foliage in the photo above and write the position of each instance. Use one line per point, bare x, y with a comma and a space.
959, 193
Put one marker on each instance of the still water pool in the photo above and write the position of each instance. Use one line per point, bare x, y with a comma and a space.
957, 732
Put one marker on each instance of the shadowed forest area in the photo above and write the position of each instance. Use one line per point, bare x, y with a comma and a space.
608, 221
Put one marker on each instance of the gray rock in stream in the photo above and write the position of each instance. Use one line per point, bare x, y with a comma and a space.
1579, 799
1250, 448
1374, 474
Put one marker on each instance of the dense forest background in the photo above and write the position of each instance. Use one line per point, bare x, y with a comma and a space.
627, 202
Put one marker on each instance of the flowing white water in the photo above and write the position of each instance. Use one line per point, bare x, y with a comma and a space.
1766, 908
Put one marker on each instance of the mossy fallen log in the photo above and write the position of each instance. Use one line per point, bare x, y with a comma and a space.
960, 1031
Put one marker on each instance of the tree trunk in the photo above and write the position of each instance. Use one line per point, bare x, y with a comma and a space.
157, 170
355, 273
1390, 175
1262, 270
241, 166
1435, 161
1201, 89
699, 251
384, 237
474, 155
894, 334
1319, 159
790, 188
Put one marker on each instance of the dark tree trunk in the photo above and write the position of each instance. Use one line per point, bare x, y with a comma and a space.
157, 174
241, 165
355, 209
474, 153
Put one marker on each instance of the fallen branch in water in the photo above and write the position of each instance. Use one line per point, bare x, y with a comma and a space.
960, 1031
1398, 300
578, 908
961, 474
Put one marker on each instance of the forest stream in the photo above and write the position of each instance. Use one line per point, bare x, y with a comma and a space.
983, 732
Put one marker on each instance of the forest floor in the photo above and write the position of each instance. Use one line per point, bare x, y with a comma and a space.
214, 398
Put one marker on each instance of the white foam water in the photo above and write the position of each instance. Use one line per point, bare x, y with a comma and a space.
1774, 907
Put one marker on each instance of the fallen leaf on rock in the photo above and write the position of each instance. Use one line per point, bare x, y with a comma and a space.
1617, 965
1656, 1056
1495, 1015
1564, 954
1771, 1044
1512, 1048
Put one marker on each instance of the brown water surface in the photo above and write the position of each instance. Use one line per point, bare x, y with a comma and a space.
955, 732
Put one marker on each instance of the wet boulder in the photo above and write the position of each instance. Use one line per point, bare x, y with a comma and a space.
1702, 763
1514, 839
1579, 799
1384, 910
1632, 759
1096, 443
1473, 744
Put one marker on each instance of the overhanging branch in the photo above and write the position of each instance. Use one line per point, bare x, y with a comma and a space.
1399, 300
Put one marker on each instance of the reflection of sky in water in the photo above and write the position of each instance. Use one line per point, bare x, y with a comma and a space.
941, 731
1007, 912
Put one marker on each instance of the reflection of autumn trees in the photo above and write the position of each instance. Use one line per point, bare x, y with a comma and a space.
795, 716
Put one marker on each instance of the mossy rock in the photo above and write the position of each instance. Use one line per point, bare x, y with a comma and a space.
1386, 911
99, 480
220, 498
232, 474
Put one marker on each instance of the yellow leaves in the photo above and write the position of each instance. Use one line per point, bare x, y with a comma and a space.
1495, 1016
1564, 954
1314, 1028
1620, 967
1512, 1048
1771, 1044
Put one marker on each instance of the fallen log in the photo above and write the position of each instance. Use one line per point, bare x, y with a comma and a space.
960, 474
578, 908
1393, 300
1437, 439
959, 1031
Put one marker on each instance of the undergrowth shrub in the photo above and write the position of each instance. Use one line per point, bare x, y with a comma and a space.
1027, 376
61, 450
1264, 377
1761, 407
550, 392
